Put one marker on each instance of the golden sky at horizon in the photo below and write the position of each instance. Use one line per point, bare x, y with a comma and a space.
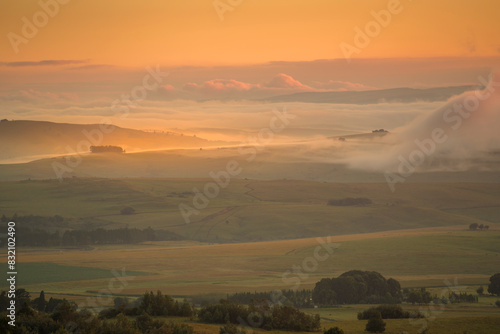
177, 33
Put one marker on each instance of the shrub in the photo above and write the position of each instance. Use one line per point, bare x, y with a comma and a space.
128, 210
334, 330
388, 312
231, 329
375, 324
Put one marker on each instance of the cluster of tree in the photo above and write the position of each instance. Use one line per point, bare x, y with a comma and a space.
349, 201
379, 130
41, 238
494, 286
295, 298
40, 303
31, 220
422, 296
106, 149
61, 316
357, 287
418, 296
260, 314
151, 304
389, 312
476, 226
462, 297
164, 305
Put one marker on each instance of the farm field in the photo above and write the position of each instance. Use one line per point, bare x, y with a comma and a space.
251, 210
417, 258
261, 235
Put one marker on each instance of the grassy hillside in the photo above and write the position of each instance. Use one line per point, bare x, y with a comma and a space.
406, 95
37, 138
249, 210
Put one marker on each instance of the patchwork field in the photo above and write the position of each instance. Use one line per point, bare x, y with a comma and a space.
265, 235
417, 258
250, 210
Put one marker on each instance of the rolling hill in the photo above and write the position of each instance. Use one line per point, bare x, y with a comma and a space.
28, 140
399, 95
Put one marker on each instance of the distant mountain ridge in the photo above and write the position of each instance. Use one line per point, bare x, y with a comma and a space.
393, 95
25, 138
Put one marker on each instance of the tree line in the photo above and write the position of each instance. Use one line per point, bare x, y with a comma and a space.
55, 221
349, 201
125, 317
150, 303
476, 226
259, 314
34, 237
296, 298
106, 149
422, 296
61, 316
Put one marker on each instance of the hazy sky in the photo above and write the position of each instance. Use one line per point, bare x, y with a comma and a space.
94, 36
72, 55
133, 33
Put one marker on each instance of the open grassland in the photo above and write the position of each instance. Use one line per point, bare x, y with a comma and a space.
41, 273
417, 258
249, 210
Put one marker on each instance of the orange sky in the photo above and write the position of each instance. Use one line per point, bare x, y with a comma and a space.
134, 33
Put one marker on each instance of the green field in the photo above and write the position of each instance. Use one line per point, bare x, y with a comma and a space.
31, 273
249, 210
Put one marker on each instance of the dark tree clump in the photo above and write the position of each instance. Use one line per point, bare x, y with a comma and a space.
375, 324
494, 287
349, 201
357, 287
128, 210
106, 149
334, 330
